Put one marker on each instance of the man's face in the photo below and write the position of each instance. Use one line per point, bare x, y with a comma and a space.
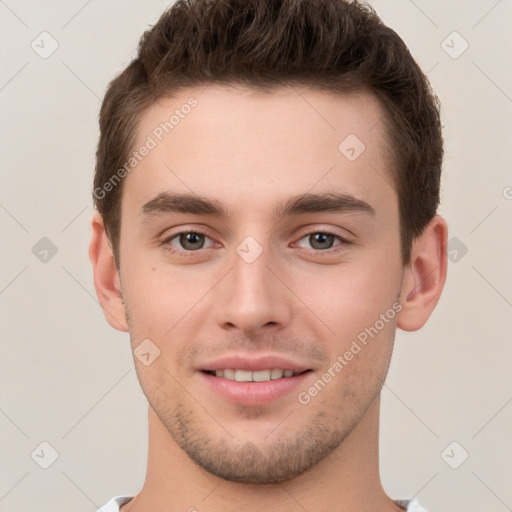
273, 284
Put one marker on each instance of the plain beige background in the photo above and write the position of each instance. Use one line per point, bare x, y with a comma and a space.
68, 379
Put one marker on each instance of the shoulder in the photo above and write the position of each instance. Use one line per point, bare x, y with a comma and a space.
410, 505
115, 504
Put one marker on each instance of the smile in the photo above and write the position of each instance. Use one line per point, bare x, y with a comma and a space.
253, 376
254, 388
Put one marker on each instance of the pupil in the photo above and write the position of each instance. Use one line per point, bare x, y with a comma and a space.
189, 239
319, 239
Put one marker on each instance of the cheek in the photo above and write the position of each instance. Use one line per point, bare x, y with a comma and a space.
351, 297
162, 298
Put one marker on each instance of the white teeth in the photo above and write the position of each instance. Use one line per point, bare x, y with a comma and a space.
257, 376
229, 374
276, 374
243, 375
261, 375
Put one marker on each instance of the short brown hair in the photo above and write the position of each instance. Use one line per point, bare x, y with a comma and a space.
331, 45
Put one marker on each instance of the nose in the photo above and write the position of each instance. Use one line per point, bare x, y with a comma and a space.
252, 297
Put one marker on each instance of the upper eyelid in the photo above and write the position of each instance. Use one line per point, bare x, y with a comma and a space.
200, 231
327, 231
342, 239
168, 238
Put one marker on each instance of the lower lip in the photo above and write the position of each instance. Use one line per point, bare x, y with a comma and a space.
254, 393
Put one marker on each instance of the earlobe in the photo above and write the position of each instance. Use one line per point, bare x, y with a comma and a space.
424, 276
106, 277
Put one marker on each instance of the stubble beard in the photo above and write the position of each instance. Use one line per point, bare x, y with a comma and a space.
276, 459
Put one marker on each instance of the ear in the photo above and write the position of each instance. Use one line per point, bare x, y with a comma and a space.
106, 277
424, 276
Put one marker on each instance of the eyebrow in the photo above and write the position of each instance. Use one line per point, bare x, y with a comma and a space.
167, 202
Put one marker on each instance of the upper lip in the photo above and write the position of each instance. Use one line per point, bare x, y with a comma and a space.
240, 362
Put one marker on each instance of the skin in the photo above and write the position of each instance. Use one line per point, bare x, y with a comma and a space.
249, 151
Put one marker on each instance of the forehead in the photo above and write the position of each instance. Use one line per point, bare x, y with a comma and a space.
245, 145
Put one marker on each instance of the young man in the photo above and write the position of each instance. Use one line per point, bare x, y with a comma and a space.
267, 184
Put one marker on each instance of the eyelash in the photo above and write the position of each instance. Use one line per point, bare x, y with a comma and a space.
183, 252
325, 252
335, 249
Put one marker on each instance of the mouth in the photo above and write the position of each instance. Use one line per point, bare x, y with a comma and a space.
254, 383
240, 375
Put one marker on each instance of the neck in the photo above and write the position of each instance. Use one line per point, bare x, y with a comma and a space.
347, 480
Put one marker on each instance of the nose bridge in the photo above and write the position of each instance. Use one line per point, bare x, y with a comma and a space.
253, 296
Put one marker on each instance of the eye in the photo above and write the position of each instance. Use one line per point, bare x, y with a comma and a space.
186, 241
321, 240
